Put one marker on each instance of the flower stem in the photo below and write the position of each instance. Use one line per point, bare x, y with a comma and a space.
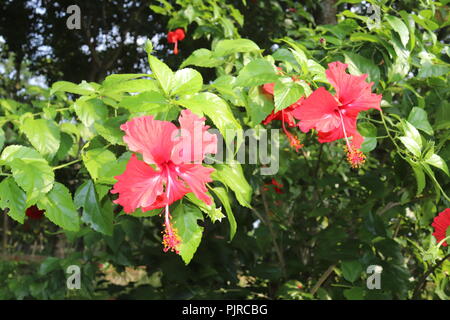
66, 164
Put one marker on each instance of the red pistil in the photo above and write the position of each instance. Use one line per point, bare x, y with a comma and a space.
354, 156
171, 239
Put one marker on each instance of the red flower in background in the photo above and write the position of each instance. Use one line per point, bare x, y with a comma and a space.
277, 186
33, 212
176, 155
174, 37
334, 117
441, 224
285, 115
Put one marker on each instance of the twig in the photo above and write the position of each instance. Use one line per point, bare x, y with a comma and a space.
322, 279
22, 258
272, 233
425, 276
5, 231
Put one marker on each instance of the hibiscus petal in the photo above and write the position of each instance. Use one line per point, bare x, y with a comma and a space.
318, 111
138, 186
196, 176
352, 91
284, 115
194, 139
153, 138
338, 133
268, 88
175, 189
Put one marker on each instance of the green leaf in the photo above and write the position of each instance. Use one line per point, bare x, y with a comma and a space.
258, 105
148, 43
140, 214
366, 129
110, 129
411, 132
98, 162
90, 110
59, 208
64, 146
420, 176
233, 177
437, 162
30, 170
216, 109
359, 65
369, 144
66, 86
100, 220
428, 70
202, 58
187, 81
399, 26
135, 85
351, 270
256, 72
48, 265
13, 198
162, 73
418, 118
360, 36
286, 92
411, 145
2, 138
215, 214
150, 102
355, 293
184, 219
43, 134
222, 194
226, 47
115, 79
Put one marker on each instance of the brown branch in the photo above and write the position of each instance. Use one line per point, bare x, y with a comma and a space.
322, 279
22, 258
267, 222
423, 279
5, 232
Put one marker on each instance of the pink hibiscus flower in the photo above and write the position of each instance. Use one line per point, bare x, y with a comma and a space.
171, 167
334, 117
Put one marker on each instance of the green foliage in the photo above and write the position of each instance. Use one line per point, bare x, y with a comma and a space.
315, 237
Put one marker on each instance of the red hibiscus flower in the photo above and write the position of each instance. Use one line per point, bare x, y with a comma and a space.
334, 117
277, 186
33, 212
285, 115
174, 37
441, 225
171, 167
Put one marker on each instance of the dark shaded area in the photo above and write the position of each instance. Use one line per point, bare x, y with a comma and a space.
112, 32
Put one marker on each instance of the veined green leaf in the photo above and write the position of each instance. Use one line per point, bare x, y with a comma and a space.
187, 81
222, 194
43, 134
184, 219
13, 198
256, 72
162, 72
93, 214
30, 170
233, 177
59, 208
